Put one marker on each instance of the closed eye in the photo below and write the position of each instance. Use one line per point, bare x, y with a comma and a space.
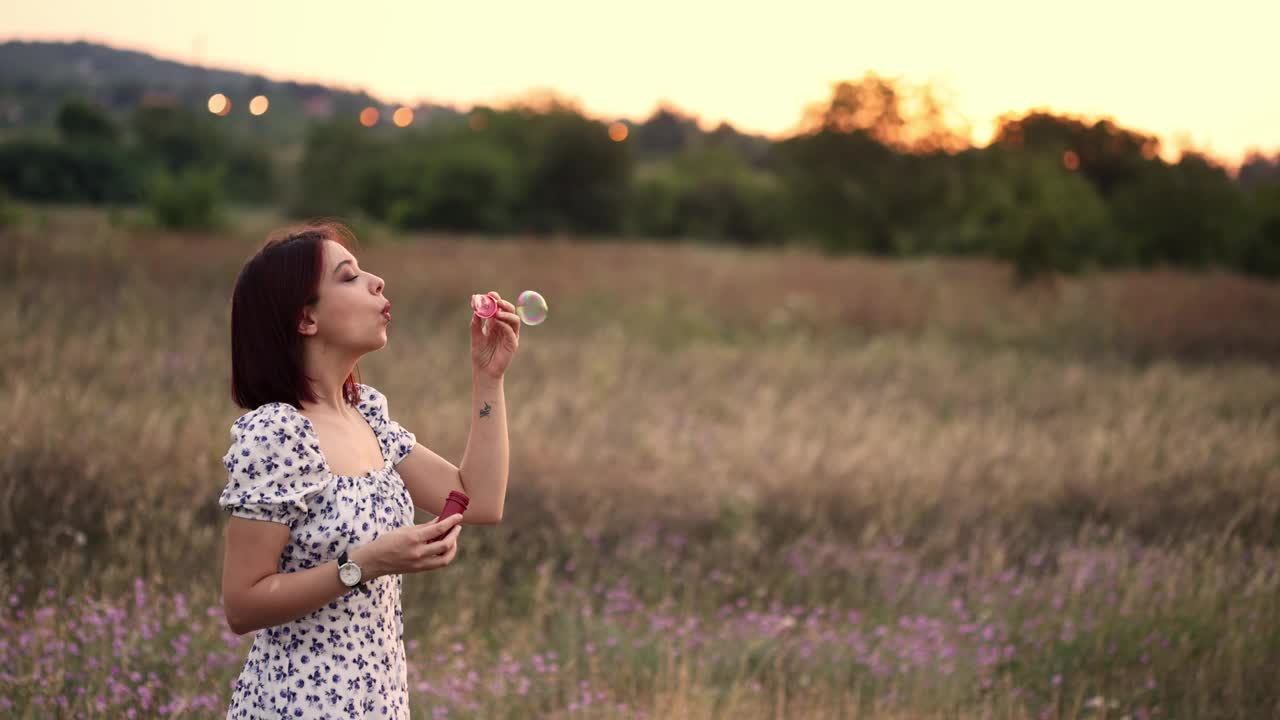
353, 277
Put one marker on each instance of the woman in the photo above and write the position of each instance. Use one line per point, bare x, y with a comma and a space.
320, 477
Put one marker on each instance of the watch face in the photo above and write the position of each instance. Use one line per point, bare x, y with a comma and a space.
349, 574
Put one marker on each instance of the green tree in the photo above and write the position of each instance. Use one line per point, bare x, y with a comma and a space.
1190, 213
1258, 251
1259, 170
189, 200
846, 190
250, 174
710, 193
81, 122
578, 179
9, 212
174, 140
1107, 155
338, 159
43, 171
1043, 218
666, 132
458, 184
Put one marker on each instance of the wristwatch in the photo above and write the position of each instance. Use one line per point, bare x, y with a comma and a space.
348, 572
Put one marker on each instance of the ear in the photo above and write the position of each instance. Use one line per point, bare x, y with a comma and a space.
307, 324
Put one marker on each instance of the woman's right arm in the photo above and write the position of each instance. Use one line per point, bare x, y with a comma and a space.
256, 596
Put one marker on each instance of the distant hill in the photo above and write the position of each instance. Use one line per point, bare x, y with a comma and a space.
37, 77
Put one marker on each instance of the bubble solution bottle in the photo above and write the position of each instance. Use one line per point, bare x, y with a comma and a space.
455, 504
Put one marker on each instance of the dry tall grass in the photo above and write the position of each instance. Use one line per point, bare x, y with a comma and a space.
743, 484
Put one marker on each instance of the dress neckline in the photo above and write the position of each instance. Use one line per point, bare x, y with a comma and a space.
306, 422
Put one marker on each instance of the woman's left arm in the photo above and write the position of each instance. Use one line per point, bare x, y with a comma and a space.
482, 474
486, 460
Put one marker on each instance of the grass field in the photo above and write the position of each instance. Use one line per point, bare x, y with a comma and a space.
743, 484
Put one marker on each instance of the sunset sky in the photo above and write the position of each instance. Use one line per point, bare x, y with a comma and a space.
1202, 74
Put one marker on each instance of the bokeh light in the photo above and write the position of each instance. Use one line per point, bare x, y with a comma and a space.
1070, 160
402, 117
478, 121
369, 116
219, 104
618, 132
258, 105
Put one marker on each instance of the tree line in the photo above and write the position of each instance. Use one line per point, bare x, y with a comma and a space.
873, 169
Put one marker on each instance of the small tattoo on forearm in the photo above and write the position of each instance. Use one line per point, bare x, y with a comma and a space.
484, 411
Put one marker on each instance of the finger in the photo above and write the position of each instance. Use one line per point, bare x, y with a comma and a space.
435, 550
503, 305
441, 524
444, 526
509, 330
441, 546
437, 527
438, 562
443, 555
513, 335
447, 556
510, 318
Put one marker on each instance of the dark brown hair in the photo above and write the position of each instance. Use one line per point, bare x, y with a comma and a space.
273, 288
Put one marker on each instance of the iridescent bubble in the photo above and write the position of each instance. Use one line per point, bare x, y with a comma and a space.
531, 307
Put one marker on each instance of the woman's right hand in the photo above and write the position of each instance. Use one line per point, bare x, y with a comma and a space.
409, 549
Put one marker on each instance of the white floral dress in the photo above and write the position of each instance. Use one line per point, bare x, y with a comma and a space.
345, 660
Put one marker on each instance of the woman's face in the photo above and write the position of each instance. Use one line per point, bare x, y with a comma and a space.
349, 312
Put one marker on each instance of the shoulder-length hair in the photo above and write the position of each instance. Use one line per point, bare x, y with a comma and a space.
273, 288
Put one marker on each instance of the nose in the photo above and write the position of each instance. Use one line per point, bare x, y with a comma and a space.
379, 285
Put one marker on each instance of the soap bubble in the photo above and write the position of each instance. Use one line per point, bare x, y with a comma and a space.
531, 307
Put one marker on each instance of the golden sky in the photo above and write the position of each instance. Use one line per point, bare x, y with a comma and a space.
1202, 74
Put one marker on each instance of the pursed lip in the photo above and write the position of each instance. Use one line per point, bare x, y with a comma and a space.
386, 310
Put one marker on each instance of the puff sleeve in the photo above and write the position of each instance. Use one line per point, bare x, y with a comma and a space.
273, 466
396, 441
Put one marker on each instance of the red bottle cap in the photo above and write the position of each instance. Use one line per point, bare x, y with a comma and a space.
458, 500
455, 504
484, 305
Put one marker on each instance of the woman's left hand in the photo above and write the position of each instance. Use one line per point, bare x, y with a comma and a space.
494, 341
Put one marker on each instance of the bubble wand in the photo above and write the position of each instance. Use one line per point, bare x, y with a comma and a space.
531, 307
